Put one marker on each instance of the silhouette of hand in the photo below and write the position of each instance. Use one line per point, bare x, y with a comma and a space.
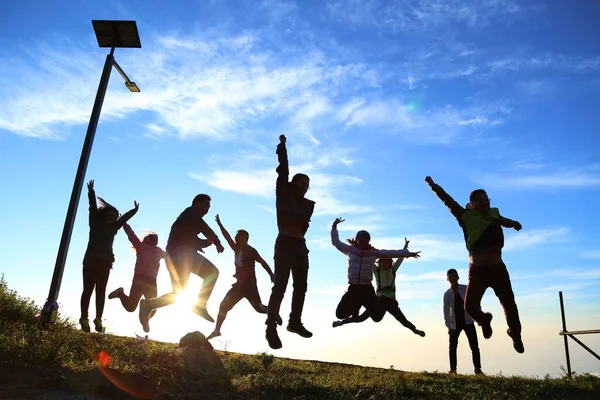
429, 180
517, 226
414, 254
220, 248
273, 279
282, 139
136, 205
218, 219
336, 222
406, 242
90, 185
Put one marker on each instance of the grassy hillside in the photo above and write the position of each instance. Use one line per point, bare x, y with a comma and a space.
64, 363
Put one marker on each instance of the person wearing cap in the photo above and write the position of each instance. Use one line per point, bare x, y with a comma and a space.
385, 278
361, 260
458, 320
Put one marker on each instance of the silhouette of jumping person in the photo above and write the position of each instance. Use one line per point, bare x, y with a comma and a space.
385, 278
457, 320
361, 260
104, 222
484, 238
291, 254
183, 259
147, 263
246, 287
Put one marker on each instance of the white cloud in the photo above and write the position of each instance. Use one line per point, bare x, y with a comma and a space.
256, 183
567, 178
535, 237
593, 254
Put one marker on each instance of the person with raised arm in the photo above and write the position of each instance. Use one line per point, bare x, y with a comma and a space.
484, 238
294, 212
361, 260
385, 278
245, 286
147, 263
183, 259
104, 222
457, 320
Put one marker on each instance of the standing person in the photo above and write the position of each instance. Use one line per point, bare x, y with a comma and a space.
147, 263
484, 239
291, 254
385, 278
183, 259
246, 287
104, 223
361, 259
457, 320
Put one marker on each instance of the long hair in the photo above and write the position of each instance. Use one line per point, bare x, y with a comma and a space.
105, 207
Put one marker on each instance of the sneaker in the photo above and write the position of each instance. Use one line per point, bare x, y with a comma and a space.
213, 335
116, 293
479, 372
273, 338
299, 329
517, 342
143, 315
486, 328
420, 333
85, 325
337, 323
452, 372
201, 311
98, 325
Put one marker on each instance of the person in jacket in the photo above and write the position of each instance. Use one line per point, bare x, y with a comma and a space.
294, 211
104, 222
183, 259
385, 278
361, 260
147, 263
458, 320
484, 239
245, 286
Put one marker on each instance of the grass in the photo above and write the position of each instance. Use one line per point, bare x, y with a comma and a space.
168, 372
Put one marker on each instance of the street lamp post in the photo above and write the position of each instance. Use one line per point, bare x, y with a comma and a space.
111, 34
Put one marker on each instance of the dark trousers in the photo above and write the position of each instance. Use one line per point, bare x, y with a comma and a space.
140, 286
291, 256
359, 296
473, 344
495, 276
389, 305
95, 276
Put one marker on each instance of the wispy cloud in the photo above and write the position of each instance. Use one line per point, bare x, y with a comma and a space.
535, 237
567, 178
592, 254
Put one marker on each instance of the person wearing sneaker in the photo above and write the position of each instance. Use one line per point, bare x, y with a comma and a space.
385, 277
294, 212
246, 287
183, 259
484, 239
104, 222
361, 260
147, 263
457, 320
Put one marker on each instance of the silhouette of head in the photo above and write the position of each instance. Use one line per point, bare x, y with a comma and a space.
362, 238
201, 203
385, 263
300, 184
107, 212
452, 276
241, 237
479, 200
151, 239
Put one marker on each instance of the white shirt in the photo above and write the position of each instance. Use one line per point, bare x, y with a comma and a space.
449, 314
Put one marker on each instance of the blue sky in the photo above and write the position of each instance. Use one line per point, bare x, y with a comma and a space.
373, 96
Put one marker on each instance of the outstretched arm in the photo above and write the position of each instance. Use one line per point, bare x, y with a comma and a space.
92, 198
456, 209
226, 234
335, 237
127, 216
283, 169
264, 264
509, 223
399, 260
135, 241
